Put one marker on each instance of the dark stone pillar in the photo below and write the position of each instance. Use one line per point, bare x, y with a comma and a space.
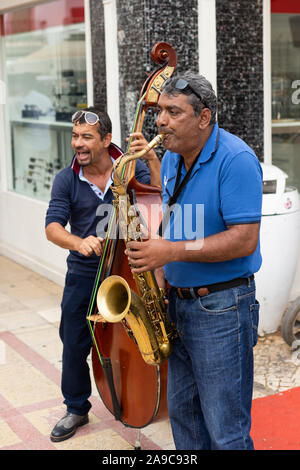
240, 70
98, 53
140, 25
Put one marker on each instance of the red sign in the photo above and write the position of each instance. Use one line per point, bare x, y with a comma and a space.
285, 6
47, 15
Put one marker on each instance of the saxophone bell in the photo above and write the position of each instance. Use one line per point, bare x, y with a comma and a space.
115, 302
113, 299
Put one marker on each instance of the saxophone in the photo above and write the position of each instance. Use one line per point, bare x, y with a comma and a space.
145, 315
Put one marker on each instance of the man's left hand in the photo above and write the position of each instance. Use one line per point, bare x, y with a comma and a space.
138, 143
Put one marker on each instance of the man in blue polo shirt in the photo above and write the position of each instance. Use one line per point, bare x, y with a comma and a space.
78, 193
216, 177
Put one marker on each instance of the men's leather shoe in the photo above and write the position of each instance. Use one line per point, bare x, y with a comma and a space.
67, 426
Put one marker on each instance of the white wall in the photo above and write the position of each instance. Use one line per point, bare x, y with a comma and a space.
207, 41
22, 236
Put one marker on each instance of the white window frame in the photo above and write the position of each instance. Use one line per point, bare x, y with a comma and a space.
267, 82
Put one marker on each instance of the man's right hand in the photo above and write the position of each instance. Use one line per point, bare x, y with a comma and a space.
89, 245
57, 234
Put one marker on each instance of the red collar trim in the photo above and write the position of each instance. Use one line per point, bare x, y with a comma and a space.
114, 152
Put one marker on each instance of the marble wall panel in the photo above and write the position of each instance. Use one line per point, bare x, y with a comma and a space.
98, 53
240, 69
140, 25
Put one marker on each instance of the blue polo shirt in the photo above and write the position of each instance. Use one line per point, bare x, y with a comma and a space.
224, 188
74, 201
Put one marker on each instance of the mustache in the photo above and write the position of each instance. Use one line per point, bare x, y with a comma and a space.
163, 130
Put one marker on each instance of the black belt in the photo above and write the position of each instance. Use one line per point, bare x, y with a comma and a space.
192, 292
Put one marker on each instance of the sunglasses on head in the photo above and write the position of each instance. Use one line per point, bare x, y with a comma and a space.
90, 117
182, 85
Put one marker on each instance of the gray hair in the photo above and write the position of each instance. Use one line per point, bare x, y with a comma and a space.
201, 86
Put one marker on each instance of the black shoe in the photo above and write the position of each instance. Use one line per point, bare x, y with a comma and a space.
67, 426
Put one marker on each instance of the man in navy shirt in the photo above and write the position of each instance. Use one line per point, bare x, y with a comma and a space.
78, 192
212, 181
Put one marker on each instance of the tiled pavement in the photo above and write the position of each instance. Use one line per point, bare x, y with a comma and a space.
30, 364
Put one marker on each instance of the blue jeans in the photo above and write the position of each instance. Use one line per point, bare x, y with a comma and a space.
210, 371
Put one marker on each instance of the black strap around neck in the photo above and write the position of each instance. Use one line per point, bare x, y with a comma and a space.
178, 188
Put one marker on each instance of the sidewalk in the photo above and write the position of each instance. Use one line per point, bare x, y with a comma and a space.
30, 365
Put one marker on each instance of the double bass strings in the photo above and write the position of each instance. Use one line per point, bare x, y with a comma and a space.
136, 123
136, 118
95, 289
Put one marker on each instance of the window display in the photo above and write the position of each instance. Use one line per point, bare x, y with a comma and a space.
46, 82
285, 41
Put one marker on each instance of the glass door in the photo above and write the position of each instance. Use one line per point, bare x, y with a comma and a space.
45, 76
285, 60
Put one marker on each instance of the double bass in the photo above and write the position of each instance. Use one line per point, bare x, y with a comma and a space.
129, 363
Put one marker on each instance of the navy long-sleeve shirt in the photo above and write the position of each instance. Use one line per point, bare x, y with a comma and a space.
74, 201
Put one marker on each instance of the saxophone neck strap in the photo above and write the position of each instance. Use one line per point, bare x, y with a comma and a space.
179, 186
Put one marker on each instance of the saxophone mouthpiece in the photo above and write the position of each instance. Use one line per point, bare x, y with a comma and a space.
156, 141
153, 143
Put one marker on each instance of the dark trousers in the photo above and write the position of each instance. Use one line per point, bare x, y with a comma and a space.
76, 339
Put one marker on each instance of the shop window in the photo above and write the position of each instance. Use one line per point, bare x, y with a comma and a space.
45, 79
285, 44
